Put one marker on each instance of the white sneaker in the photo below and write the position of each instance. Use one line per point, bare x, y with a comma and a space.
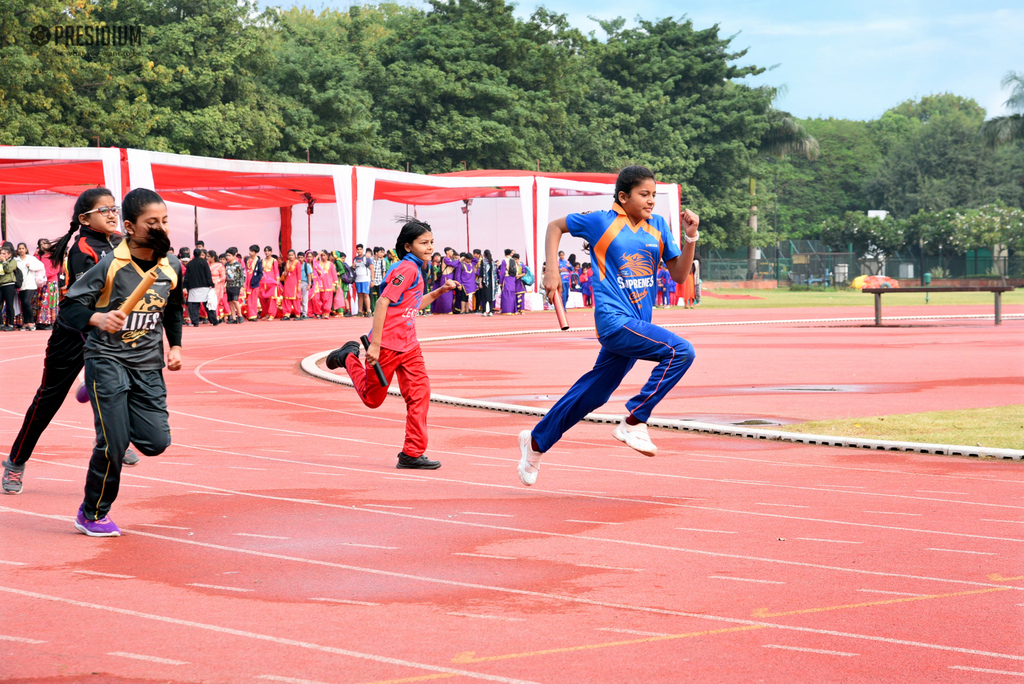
635, 437
529, 464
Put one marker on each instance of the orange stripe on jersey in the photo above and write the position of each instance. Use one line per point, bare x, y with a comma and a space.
610, 233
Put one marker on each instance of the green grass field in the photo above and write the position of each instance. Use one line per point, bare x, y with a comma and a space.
784, 298
1000, 427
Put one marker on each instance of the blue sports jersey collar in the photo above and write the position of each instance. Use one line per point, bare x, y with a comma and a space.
413, 258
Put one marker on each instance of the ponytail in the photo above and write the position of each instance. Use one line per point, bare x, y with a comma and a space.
86, 202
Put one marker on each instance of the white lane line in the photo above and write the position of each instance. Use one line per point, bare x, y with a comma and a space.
20, 640
215, 586
348, 601
244, 468
197, 491
160, 460
894, 593
831, 541
744, 579
761, 503
484, 555
290, 680
810, 650
1019, 522
605, 567
976, 553
595, 522
7, 562
489, 617
493, 515
261, 536
697, 529
148, 658
844, 486
632, 631
166, 527
986, 670
370, 546
103, 574
575, 491
404, 508
54, 479
894, 513
932, 491
135, 486
482, 465
308, 472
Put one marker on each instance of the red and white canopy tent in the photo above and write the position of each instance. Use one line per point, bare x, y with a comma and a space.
41, 184
238, 203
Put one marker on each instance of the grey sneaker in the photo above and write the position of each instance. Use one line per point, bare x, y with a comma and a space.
12, 478
130, 458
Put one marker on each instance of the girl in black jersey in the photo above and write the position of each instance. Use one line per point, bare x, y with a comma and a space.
124, 351
96, 218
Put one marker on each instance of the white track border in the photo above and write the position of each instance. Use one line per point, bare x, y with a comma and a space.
309, 365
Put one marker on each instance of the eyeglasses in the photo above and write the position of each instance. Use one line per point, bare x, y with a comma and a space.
105, 210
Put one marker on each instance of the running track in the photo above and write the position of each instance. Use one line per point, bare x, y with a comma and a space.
275, 541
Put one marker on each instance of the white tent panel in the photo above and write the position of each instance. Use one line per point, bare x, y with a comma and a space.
221, 228
322, 230
38, 215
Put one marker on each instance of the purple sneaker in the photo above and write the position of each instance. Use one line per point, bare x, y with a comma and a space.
104, 527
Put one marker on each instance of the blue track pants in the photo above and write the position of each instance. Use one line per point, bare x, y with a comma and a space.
619, 351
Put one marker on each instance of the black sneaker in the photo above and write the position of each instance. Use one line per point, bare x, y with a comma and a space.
130, 458
12, 478
336, 359
421, 463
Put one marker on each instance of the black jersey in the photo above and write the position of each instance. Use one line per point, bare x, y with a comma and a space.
88, 247
104, 287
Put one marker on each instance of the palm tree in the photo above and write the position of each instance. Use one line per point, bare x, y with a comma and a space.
785, 136
1007, 129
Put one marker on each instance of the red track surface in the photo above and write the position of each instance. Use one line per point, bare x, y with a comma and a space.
275, 541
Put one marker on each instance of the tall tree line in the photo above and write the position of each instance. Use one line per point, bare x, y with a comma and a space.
466, 81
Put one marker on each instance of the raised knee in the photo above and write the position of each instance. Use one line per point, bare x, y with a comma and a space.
684, 350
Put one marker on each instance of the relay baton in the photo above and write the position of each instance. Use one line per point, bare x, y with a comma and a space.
380, 373
563, 322
140, 291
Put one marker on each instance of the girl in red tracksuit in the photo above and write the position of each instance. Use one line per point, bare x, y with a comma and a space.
393, 343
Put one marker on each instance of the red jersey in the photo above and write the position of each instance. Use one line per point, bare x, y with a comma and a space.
403, 286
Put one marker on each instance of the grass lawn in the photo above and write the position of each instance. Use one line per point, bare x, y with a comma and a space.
1000, 427
782, 298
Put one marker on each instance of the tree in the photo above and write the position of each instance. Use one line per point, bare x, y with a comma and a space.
1001, 130
937, 164
203, 58
809, 192
673, 100
870, 238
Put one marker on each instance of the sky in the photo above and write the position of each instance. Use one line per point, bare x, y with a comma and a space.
846, 59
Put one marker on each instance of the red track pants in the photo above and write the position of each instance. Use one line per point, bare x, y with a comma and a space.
414, 383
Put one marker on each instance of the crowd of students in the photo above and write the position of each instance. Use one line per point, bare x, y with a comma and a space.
230, 287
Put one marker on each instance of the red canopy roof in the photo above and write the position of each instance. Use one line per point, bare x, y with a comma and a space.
216, 189
66, 177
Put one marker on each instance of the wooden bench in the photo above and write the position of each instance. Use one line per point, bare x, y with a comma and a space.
997, 289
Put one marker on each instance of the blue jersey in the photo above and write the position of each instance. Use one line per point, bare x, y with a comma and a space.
625, 263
